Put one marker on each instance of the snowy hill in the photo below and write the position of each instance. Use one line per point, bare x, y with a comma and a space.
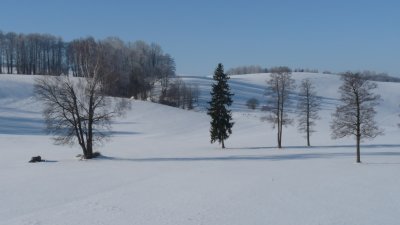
161, 169
254, 85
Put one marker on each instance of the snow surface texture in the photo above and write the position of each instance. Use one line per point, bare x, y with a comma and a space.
160, 169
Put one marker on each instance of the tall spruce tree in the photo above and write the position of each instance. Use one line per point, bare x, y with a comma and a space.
221, 116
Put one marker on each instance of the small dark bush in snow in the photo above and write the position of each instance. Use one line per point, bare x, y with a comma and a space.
35, 159
252, 103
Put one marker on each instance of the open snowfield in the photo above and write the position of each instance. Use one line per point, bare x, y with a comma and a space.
160, 168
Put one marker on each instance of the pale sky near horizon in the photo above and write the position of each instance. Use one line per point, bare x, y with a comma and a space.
326, 35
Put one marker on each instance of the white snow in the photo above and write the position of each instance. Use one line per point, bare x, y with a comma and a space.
161, 169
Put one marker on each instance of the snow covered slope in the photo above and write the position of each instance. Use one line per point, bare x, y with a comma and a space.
160, 168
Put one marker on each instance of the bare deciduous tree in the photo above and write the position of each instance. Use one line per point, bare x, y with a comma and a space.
280, 84
10, 40
32, 54
76, 109
307, 108
133, 69
355, 117
2, 44
181, 95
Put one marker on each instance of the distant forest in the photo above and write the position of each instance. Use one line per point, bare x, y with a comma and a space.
258, 69
368, 75
130, 69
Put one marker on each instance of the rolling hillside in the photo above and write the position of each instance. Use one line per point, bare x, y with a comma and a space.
160, 168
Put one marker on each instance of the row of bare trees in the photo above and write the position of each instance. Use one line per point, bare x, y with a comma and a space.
258, 69
247, 70
353, 117
137, 66
180, 95
132, 69
31, 54
281, 85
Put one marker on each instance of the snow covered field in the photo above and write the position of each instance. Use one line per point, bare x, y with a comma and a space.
160, 169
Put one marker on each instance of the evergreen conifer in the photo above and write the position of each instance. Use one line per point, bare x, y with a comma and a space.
221, 116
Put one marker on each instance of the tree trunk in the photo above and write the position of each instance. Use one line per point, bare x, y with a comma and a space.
223, 144
89, 141
278, 115
280, 136
83, 149
279, 133
89, 150
358, 136
280, 126
1, 61
308, 129
78, 125
308, 118
358, 150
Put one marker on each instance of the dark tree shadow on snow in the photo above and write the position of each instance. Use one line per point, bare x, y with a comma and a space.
22, 126
282, 157
372, 146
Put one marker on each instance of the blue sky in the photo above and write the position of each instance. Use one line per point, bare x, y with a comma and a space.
326, 35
